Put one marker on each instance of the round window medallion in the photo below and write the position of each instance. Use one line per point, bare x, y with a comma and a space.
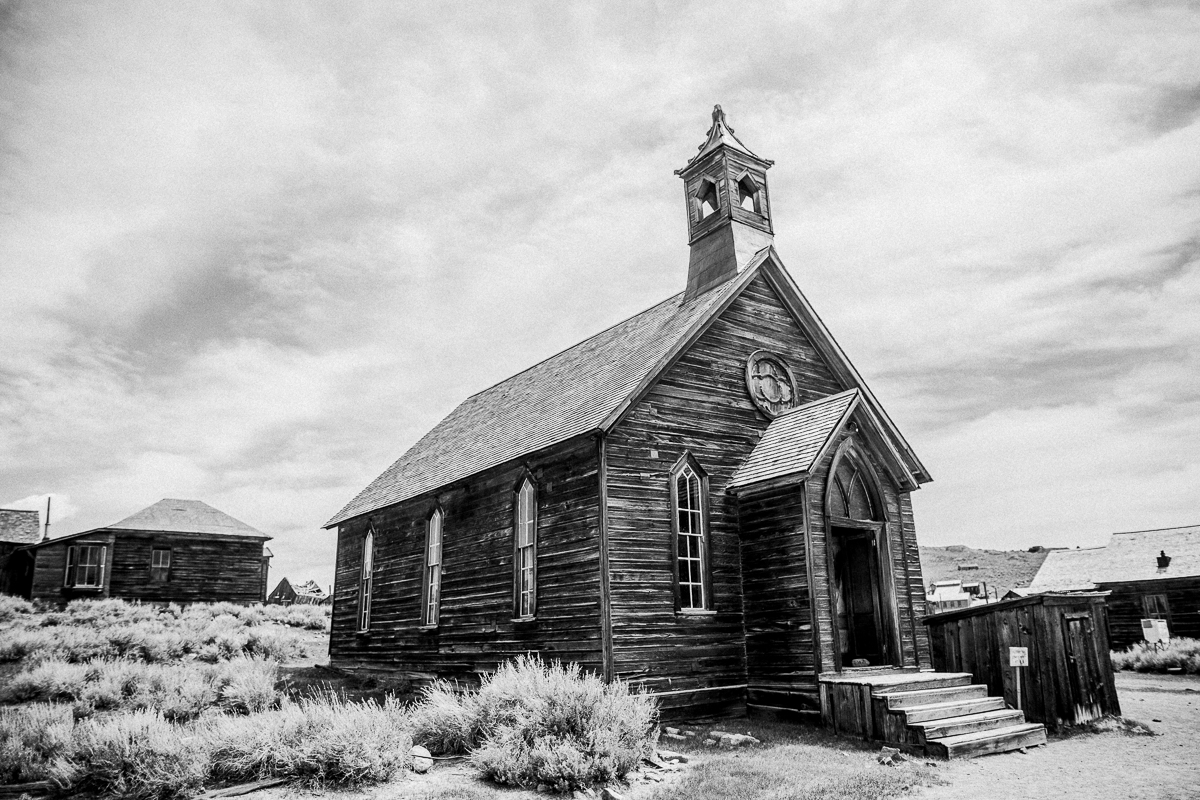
770, 383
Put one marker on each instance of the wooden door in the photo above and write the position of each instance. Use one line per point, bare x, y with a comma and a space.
856, 570
1082, 670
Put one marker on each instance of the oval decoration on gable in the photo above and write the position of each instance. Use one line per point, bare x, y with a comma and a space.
770, 383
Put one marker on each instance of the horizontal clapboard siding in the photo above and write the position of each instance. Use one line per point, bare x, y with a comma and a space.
476, 631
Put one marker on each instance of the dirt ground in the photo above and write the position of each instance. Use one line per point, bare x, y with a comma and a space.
1104, 766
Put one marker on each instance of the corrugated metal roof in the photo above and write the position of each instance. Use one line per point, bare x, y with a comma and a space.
19, 526
795, 440
186, 516
1130, 556
566, 395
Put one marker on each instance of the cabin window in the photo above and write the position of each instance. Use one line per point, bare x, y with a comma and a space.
1154, 606
160, 563
432, 587
688, 495
365, 581
748, 195
85, 566
525, 553
706, 200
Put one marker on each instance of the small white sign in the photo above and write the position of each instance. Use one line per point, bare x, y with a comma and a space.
1018, 656
1164, 633
1155, 631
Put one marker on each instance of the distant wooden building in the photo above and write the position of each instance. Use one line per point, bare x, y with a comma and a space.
704, 499
1152, 574
18, 528
305, 594
180, 551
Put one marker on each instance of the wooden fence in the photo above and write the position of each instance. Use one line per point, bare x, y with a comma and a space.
1069, 678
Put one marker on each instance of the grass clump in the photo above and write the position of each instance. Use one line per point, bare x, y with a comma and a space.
31, 737
136, 755
318, 740
1179, 654
534, 723
13, 607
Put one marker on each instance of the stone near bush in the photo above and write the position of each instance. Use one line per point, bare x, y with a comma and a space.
610, 794
422, 762
676, 736
671, 730
671, 755
710, 742
890, 756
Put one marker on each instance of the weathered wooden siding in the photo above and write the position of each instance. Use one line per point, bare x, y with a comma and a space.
203, 568
699, 406
1067, 681
476, 631
49, 568
1125, 612
781, 662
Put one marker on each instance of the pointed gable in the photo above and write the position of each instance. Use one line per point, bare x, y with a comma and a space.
795, 441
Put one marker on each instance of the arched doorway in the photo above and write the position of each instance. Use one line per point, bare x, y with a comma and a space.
857, 562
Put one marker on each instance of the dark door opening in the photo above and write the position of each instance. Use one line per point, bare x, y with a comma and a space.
856, 591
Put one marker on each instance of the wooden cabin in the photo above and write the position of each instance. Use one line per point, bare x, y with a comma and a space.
175, 551
1152, 574
18, 528
704, 499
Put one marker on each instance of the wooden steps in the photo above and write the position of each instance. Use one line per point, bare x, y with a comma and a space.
941, 714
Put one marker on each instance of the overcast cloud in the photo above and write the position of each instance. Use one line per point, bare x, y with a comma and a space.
251, 252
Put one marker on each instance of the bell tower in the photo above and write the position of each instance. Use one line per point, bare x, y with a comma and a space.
729, 210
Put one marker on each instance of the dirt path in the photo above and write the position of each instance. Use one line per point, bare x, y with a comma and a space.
1107, 766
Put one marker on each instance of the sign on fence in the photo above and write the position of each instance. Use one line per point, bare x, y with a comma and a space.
1018, 656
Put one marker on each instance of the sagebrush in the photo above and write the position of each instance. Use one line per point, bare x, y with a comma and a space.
534, 723
1178, 654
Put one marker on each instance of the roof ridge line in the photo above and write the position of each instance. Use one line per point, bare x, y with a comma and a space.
1155, 530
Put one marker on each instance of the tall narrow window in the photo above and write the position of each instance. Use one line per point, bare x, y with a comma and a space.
432, 589
691, 538
85, 566
365, 580
525, 554
160, 564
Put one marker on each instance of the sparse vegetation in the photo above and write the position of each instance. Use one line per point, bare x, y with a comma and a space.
1181, 654
534, 723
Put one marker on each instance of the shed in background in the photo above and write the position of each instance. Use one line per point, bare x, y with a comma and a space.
1069, 679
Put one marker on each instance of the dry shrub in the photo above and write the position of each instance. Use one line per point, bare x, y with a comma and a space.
1181, 653
313, 618
31, 737
535, 723
136, 755
319, 740
49, 680
247, 685
14, 608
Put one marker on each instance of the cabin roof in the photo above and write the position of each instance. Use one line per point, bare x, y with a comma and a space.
174, 516
19, 526
795, 440
587, 388
1128, 556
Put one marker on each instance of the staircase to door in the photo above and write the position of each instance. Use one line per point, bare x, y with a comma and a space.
940, 714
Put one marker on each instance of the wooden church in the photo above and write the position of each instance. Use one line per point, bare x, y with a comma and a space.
705, 500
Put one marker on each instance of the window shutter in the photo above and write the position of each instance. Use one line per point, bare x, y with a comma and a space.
69, 574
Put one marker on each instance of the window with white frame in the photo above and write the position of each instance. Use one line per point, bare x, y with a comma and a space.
525, 554
160, 563
691, 538
432, 589
366, 580
85, 566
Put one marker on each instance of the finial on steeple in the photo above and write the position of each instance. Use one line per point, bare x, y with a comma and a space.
719, 117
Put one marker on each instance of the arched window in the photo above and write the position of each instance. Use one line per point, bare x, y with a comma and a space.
707, 202
689, 490
748, 195
525, 551
848, 495
365, 580
431, 589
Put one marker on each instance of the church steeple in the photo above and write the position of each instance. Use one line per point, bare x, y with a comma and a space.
729, 211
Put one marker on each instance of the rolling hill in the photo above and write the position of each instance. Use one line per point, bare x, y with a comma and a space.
999, 569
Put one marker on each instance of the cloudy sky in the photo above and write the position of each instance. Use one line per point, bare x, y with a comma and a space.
249, 252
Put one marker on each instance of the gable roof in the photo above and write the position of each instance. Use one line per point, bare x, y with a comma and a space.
19, 526
1129, 556
588, 388
175, 516
796, 440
